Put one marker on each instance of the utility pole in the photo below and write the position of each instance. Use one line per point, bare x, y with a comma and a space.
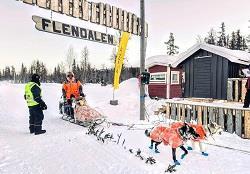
142, 60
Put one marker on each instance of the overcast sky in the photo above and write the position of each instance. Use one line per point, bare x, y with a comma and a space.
21, 42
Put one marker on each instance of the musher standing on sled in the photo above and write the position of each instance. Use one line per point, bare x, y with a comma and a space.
36, 105
71, 88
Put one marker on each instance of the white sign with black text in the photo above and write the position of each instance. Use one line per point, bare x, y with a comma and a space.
55, 27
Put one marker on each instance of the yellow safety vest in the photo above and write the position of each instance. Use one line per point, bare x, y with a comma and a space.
28, 94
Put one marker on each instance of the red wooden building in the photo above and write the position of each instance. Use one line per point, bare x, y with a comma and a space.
165, 81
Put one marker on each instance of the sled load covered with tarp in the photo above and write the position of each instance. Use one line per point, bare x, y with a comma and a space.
79, 112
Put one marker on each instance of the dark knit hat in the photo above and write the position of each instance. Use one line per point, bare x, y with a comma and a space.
35, 78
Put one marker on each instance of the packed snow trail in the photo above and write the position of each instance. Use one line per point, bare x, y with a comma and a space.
66, 148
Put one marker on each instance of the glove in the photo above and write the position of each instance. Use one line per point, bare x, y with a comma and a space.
64, 99
43, 106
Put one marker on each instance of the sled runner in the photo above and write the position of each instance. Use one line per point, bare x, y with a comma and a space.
79, 112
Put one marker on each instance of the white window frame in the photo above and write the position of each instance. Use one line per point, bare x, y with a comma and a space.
175, 82
183, 77
158, 81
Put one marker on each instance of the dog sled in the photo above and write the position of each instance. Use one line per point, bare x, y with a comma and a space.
79, 112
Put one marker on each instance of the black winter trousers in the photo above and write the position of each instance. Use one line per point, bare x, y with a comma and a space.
35, 119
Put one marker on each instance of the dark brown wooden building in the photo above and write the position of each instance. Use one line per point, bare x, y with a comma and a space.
207, 69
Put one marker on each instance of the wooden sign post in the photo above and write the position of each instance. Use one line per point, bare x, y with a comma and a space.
98, 13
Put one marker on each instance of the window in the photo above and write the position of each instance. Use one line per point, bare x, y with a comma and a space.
158, 77
175, 77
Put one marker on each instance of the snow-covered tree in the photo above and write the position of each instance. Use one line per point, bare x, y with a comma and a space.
199, 39
23, 77
71, 55
238, 39
172, 49
113, 56
13, 73
84, 62
222, 40
232, 41
211, 38
74, 67
244, 45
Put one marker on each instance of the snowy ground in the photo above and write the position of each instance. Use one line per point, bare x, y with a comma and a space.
65, 148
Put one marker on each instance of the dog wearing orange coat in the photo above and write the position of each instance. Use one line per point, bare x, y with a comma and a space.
175, 136
204, 132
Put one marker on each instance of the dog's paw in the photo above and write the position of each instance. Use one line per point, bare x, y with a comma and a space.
183, 156
157, 151
204, 154
177, 162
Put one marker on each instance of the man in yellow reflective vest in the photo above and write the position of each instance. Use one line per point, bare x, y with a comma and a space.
35, 104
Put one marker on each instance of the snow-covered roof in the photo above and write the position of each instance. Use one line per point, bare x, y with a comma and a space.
236, 56
164, 60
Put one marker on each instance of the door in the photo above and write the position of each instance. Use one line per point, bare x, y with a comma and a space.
202, 77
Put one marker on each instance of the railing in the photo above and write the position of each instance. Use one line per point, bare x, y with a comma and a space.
232, 120
236, 90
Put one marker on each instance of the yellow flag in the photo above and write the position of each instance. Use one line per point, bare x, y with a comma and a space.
120, 57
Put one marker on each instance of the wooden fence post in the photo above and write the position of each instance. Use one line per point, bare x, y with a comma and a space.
167, 111
229, 121
188, 113
236, 91
243, 90
238, 122
173, 111
194, 112
199, 117
247, 125
183, 114
178, 112
205, 115
230, 90
221, 118
211, 114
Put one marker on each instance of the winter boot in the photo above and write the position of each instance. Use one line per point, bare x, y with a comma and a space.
32, 130
40, 132
204, 153
177, 162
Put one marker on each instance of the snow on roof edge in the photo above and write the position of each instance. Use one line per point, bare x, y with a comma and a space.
163, 60
224, 52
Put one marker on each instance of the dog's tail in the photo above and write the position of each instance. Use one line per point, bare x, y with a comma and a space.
147, 132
